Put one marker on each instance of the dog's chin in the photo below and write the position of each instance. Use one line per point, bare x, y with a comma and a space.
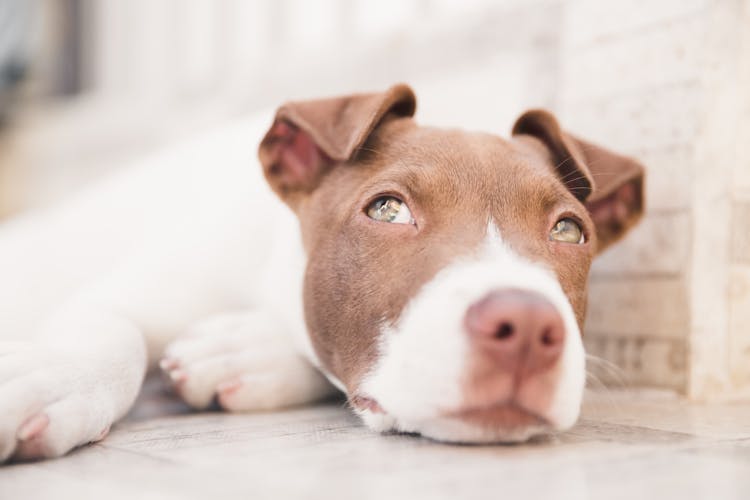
501, 424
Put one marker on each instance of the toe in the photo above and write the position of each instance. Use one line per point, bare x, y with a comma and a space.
193, 349
32, 427
272, 389
70, 422
198, 381
253, 392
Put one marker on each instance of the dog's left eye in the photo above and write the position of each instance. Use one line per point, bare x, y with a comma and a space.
390, 209
567, 231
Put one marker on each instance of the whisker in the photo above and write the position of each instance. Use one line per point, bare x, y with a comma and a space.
599, 398
567, 181
369, 150
572, 172
615, 375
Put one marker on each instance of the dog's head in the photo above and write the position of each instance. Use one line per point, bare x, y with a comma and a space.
445, 287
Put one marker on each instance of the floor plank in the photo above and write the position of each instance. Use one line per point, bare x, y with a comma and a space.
627, 445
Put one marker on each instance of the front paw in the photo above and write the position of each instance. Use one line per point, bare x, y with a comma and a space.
242, 362
50, 402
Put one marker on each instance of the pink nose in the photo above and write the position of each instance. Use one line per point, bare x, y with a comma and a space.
520, 330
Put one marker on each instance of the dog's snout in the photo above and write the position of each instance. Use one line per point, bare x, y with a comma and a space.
522, 331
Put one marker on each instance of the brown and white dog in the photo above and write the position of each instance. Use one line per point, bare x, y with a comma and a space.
437, 277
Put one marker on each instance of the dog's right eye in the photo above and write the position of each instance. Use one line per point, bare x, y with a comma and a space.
390, 209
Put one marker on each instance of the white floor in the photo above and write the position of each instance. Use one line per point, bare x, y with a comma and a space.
632, 446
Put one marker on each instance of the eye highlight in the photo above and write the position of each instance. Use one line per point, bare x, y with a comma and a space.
567, 230
390, 209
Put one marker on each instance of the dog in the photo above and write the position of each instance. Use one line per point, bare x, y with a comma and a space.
437, 277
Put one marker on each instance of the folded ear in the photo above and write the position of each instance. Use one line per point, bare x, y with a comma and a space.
307, 138
608, 184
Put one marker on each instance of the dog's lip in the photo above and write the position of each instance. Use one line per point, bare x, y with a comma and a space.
362, 402
506, 414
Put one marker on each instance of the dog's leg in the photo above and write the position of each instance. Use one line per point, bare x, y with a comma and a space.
68, 386
244, 362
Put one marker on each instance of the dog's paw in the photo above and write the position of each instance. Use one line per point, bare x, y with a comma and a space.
244, 363
50, 402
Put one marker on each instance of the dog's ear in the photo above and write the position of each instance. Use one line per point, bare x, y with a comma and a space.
608, 184
308, 137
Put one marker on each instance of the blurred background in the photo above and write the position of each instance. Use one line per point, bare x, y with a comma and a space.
88, 87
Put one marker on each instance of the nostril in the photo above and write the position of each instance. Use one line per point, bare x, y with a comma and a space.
504, 331
548, 338
551, 337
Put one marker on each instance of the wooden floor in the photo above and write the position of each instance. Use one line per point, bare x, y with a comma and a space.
629, 446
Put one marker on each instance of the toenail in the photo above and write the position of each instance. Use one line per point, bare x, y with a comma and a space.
103, 434
32, 427
229, 386
177, 376
167, 364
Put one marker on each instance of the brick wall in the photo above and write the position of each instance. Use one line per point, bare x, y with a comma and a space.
739, 270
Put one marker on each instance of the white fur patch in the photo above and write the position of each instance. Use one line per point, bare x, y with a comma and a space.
423, 359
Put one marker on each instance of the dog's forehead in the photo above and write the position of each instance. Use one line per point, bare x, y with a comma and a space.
474, 166
451, 147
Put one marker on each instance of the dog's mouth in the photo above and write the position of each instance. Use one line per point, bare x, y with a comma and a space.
506, 415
